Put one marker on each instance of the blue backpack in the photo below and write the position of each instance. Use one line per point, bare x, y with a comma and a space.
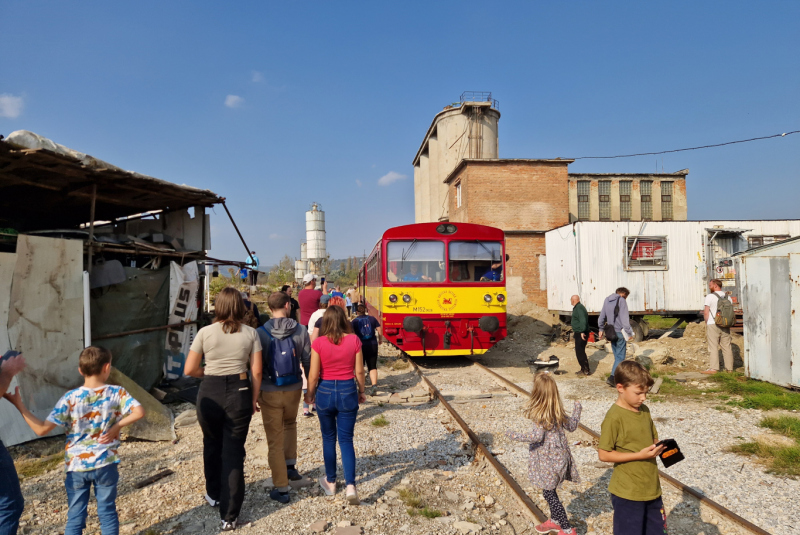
366, 332
281, 364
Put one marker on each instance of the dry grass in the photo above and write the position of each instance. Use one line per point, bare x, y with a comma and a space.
36, 467
399, 364
380, 421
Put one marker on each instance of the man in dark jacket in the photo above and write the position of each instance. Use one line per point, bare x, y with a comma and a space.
295, 313
621, 323
580, 331
279, 404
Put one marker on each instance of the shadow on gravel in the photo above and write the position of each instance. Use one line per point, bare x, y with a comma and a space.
685, 518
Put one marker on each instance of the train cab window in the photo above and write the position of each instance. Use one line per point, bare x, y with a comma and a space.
415, 261
476, 261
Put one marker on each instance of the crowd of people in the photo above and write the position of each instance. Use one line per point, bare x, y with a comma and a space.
313, 350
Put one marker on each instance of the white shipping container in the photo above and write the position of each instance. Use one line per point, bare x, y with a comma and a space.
593, 258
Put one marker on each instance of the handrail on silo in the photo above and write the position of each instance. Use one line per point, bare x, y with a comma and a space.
479, 96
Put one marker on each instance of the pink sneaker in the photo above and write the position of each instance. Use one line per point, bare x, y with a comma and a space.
547, 527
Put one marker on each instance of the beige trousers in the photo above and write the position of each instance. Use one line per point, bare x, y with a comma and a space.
719, 338
279, 414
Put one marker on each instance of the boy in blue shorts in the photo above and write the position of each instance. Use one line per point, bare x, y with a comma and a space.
92, 416
628, 439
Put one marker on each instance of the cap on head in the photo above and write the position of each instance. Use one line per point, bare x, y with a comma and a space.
308, 277
324, 299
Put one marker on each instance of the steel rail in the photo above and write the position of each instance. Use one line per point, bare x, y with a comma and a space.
727, 513
529, 508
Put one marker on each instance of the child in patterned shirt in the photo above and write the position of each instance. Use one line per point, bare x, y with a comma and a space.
92, 416
550, 460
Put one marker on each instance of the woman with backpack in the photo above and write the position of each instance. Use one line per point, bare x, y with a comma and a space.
336, 384
368, 329
226, 401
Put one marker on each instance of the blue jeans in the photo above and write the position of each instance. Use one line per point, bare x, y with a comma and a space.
11, 501
105, 490
620, 348
337, 408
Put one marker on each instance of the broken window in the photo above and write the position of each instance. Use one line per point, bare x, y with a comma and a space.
604, 191
625, 200
645, 253
758, 241
646, 191
666, 201
583, 199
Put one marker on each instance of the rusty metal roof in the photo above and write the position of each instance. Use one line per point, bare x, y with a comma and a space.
44, 185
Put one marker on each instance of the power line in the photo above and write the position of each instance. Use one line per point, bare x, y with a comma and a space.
690, 148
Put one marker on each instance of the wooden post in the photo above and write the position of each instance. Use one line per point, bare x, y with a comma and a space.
91, 226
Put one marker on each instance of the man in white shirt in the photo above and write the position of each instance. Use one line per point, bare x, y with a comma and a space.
716, 336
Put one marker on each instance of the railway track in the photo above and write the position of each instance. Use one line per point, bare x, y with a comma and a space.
529, 508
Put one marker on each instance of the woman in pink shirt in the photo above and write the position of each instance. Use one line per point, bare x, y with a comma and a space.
336, 385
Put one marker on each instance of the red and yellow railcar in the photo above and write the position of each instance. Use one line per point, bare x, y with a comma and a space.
438, 289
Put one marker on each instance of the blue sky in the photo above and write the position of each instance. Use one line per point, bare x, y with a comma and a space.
275, 105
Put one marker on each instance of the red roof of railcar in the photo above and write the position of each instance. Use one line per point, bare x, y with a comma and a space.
428, 231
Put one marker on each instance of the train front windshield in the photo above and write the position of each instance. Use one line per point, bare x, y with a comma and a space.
476, 261
415, 261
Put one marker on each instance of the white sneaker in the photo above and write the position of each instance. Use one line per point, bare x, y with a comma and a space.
228, 526
352, 495
212, 503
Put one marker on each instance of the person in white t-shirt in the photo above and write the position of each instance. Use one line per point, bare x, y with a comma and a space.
323, 305
716, 336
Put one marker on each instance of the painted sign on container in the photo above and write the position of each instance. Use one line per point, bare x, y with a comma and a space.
183, 283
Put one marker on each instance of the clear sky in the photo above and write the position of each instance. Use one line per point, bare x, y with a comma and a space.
275, 105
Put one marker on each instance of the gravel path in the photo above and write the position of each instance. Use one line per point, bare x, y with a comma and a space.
703, 433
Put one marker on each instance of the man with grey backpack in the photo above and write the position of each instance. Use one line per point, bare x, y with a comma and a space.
285, 346
719, 316
615, 326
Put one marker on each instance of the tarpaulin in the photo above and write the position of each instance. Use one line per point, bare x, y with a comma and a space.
183, 284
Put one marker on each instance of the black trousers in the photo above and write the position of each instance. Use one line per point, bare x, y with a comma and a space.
580, 350
639, 518
224, 410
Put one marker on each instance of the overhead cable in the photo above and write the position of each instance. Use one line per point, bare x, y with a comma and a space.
690, 148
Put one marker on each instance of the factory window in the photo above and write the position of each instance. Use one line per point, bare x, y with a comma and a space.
758, 241
415, 261
604, 192
646, 191
645, 253
625, 200
475, 261
583, 199
458, 195
666, 201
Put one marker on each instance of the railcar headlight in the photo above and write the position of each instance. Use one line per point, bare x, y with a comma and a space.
406, 298
501, 297
487, 298
393, 298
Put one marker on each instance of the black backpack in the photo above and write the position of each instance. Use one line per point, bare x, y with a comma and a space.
608, 329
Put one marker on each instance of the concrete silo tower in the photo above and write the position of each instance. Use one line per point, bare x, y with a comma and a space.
301, 266
315, 240
464, 129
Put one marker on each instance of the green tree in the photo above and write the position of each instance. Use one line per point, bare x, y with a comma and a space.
281, 274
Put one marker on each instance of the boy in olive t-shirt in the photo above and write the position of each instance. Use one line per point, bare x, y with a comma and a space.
628, 439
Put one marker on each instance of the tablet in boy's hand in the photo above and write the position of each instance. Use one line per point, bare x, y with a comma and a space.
672, 452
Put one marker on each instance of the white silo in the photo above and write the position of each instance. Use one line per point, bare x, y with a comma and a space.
304, 252
315, 239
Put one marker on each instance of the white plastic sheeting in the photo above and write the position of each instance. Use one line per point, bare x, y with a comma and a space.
183, 285
45, 323
587, 258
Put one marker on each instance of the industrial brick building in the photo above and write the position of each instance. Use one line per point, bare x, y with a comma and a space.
458, 177
627, 196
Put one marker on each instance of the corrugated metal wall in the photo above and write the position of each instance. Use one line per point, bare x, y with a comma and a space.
587, 258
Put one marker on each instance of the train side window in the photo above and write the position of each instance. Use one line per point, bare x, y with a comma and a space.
415, 261
476, 261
